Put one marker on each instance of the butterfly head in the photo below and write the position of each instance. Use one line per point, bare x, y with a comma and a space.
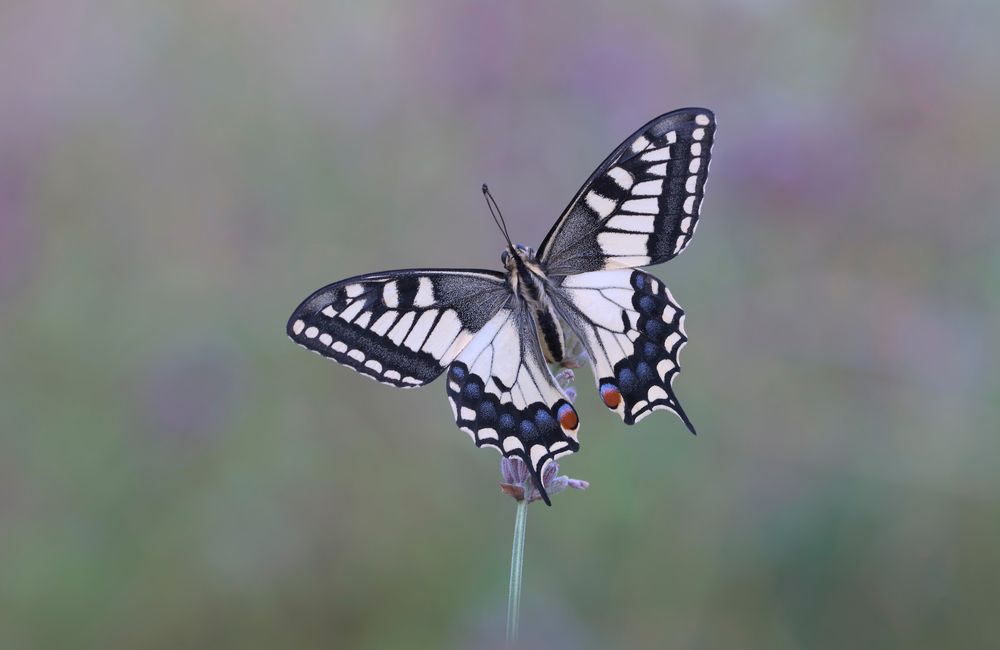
519, 251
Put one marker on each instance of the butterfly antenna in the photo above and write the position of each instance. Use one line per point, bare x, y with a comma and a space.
491, 203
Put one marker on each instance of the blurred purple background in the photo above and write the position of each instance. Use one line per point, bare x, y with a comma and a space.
175, 177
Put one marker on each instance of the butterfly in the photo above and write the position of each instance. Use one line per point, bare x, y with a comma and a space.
494, 334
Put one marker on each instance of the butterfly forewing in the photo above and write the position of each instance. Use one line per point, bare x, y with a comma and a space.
398, 327
641, 205
633, 331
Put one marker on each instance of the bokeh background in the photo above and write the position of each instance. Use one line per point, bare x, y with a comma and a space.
176, 177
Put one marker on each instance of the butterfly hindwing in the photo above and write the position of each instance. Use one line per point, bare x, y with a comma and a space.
503, 394
633, 332
401, 328
641, 205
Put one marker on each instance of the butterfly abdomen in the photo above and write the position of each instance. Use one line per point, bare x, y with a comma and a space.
549, 334
527, 279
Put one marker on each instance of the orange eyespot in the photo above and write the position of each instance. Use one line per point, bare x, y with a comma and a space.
611, 396
568, 418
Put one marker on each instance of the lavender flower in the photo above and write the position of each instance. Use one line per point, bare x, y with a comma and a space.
518, 484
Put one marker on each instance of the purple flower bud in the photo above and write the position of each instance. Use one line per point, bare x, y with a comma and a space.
565, 378
575, 353
514, 471
549, 473
515, 491
519, 485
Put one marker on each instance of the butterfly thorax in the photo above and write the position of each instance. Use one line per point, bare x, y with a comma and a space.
527, 280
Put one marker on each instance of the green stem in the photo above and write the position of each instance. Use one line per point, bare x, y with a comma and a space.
516, 563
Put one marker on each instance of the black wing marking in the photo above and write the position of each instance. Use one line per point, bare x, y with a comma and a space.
401, 328
504, 396
633, 331
641, 205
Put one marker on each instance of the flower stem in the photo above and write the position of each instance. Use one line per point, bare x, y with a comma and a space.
516, 563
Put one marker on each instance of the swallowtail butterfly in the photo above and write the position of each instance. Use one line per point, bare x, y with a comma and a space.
494, 333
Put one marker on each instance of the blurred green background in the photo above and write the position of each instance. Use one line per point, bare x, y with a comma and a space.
176, 177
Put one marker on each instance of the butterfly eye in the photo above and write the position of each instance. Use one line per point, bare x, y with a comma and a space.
504, 256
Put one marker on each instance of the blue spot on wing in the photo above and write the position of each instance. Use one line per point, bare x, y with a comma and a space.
627, 380
655, 329
544, 419
487, 412
529, 432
